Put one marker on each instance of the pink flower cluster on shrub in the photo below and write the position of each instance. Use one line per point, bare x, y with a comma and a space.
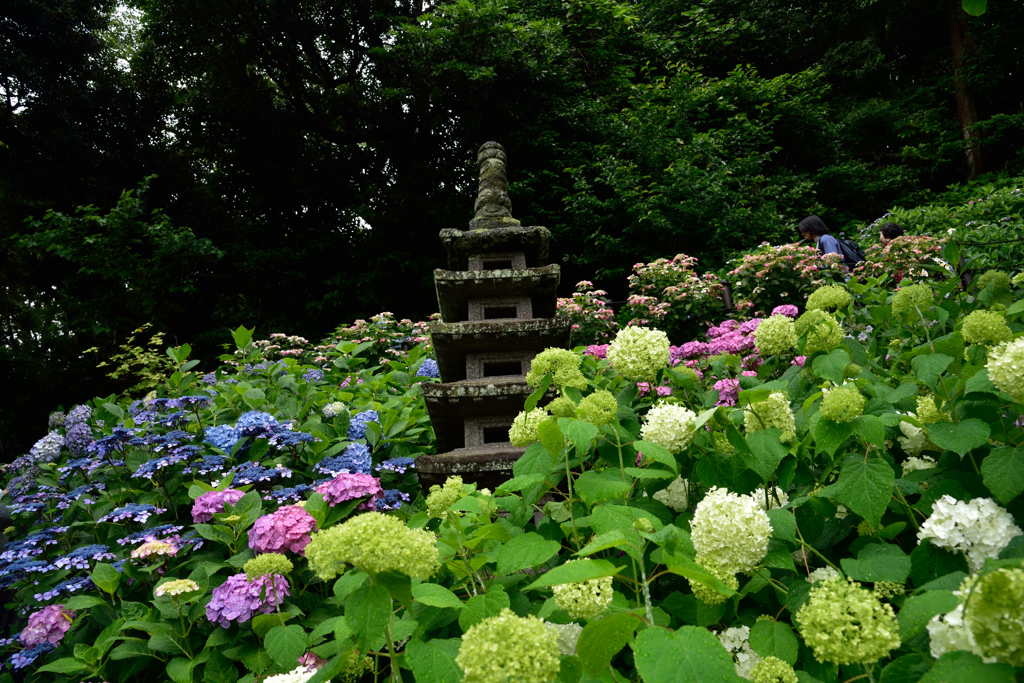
48, 625
288, 529
348, 486
212, 502
238, 600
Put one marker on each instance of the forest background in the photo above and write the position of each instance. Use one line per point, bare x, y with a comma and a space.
291, 163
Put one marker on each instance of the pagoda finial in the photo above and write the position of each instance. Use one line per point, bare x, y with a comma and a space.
493, 206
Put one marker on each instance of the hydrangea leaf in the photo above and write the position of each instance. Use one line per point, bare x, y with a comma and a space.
692, 611
685, 567
959, 438
525, 550
570, 669
832, 366
878, 562
919, 609
579, 432
594, 487
783, 524
105, 577
608, 517
436, 596
1003, 472
479, 607
66, 665
551, 436
616, 538
656, 453
580, 570
865, 486
601, 640
975, 7
774, 639
905, 669
961, 666
285, 644
829, 435
928, 367
979, 382
871, 429
689, 654
433, 661
766, 452
263, 623
928, 563
367, 611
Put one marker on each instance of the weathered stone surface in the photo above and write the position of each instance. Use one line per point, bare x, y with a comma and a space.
481, 430
500, 308
512, 260
489, 465
498, 366
453, 341
455, 288
461, 244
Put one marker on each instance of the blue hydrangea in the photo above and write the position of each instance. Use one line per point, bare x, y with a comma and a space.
80, 557
191, 539
78, 415
135, 512
171, 420
357, 426
118, 439
313, 375
208, 464
223, 437
65, 501
149, 468
47, 449
23, 658
14, 572
32, 545
56, 420
355, 459
77, 438
161, 531
69, 587
256, 424
210, 379
391, 499
288, 495
399, 465
252, 472
429, 369
286, 438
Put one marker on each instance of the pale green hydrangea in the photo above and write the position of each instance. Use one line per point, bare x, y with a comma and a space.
441, 498
842, 404
300, 674
1018, 280
1006, 368
584, 599
637, 353
564, 366
979, 529
992, 615
828, 297
1001, 286
353, 667
887, 590
706, 594
523, 431
267, 563
914, 440
912, 299
373, 542
599, 407
824, 332
846, 624
568, 636
775, 335
914, 464
562, 407
772, 670
732, 529
676, 495
774, 411
985, 327
508, 648
822, 574
689, 372
769, 499
669, 425
721, 442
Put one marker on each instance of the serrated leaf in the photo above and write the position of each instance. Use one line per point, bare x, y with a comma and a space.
594, 487
434, 661
960, 666
1003, 472
829, 435
833, 366
871, 429
367, 612
959, 438
918, 610
179, 670
766, 452
436, 596
285, 644
689, 655
580, 570
774, 639
579, 432
601, 640
865, 486
524, 551
538, 393
484, 605
551, 438
878, 562
66, 665
928, 367
131, 648
616, 538
655, 453
783, 524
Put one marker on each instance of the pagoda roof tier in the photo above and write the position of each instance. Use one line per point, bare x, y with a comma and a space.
454, 341
461, 244
456, 287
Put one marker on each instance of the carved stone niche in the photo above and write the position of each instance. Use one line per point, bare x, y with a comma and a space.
500, 308
481, 430
512, 260
498, 365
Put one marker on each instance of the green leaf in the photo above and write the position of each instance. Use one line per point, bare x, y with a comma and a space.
580, 570
833, 366
961, 666
594, 487
928, 367
255, 659
959, 438
351, 580
367, 612
83, 602
479, 607
570, 669
263, 623
829, 435
692, 611
905, 669
878, 562
254, 397
865, 486
690, 655
114, 410
766, 452
285, 644
131, 648
918, 610
655, 453
979, 382
579, 432
684, 566
616, 538
1003, 472
975, 8
783, 524
179, 670
525, 550
242, 336
436, 596
774, 639
106, 577
605, 518
398, 585
871, 429
538, 394
434, 661
551, 437
67, 665
601, 640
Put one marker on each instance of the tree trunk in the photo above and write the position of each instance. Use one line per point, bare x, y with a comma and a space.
960, 42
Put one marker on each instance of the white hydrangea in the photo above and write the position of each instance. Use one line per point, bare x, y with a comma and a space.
949, 633
774, 499
732, 529
914, 440
979, 529
676, 495
332, 410
915, 464
736, 641
637, 353
1006, 368
298, 675
822, 574
568, 636
669, 425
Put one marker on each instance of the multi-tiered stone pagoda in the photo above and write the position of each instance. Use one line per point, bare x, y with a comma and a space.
497, 302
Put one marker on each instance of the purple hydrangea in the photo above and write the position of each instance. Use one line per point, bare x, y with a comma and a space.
135, 512
32, 545
14, 572
399, 465
78, 438
47, 449
116, 441
210, 378
728, 390
256, 424
693, 348
313, 375
78, 415
80, 557
80, 492
212, 502
391, 499
286, 495
429, 369
56, 420
349, 486
357, 426
22, 658
152, 466
238, 600
48, 625
85, 464
355, 459
748, 326
788, 310
288, 529
598, 351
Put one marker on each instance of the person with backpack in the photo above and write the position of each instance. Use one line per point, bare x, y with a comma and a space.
814, 229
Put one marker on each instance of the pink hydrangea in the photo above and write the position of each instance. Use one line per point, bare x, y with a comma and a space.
691, 349
312, 662
48, 625
788, 310
800, 360
726, 326
212, 502
748, 326
598, 350
730, 342
287, 529
348, 486
728, 391
644, 388
238, 600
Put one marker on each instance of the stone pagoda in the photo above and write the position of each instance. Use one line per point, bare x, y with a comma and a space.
497, 302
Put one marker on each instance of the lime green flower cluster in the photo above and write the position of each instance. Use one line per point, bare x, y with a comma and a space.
774, 411
1001, 286
928, 410
842, 404
887, 590
352, 668
828, 297
561, 407
669, 425
1017, 280
509, 648
441, 498
993, 614
564, 366
584, 599
599, 407
721, 442
689, 372
824, 332
912, 299
637, 353
775, 335
772, 670
706, 594
985, 327
846, 624
1006, 368
373, 542
523, 431
267, 563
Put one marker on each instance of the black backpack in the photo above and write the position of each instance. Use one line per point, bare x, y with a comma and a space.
852, 253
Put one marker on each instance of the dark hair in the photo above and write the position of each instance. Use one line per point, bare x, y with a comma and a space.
813, 225
891, 231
